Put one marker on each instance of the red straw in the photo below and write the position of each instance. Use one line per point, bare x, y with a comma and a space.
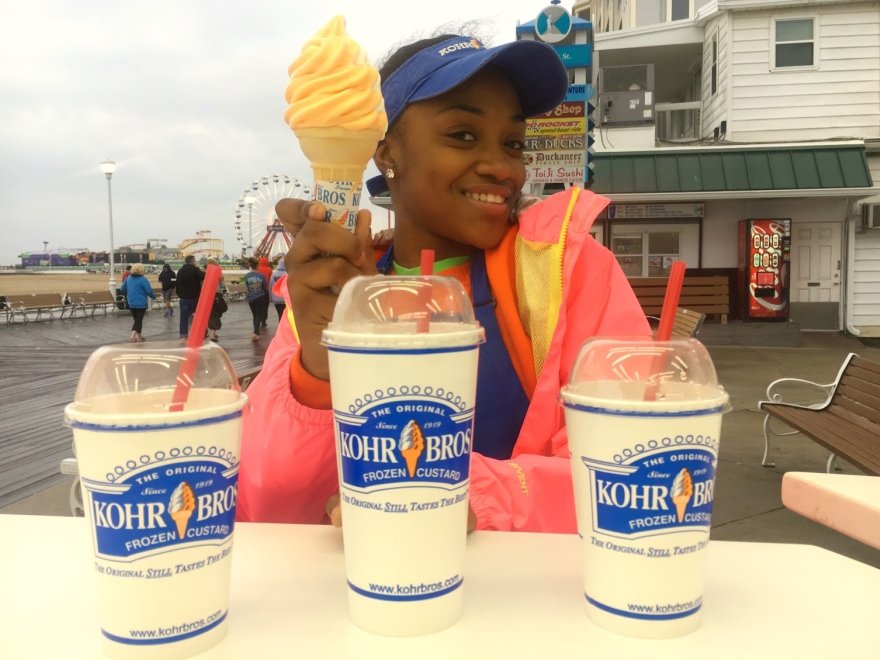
195, 338
670, 302
426, 267
667, 320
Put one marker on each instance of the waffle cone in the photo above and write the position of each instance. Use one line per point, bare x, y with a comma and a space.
338, 154
681, 502
411, 456
181, 520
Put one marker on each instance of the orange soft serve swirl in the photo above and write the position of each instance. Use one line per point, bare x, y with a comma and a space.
333, 85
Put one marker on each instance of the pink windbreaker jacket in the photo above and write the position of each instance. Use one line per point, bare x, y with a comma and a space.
288, 460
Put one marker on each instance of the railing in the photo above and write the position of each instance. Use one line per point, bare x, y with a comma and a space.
678, 122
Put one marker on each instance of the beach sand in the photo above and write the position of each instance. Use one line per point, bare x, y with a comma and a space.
61, 282
67, 281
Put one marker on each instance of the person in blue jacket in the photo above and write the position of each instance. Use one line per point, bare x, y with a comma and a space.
137, 291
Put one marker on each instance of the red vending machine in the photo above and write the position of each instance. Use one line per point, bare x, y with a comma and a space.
764, 268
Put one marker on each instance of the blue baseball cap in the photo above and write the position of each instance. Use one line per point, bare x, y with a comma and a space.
533, 68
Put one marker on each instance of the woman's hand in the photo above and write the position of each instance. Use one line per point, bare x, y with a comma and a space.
322, 259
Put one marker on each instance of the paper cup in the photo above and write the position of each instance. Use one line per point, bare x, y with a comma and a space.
403, 406
159, 493
644, 455
342, 200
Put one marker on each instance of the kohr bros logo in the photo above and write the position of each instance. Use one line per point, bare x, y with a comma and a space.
406, 440
659, 492
164, 506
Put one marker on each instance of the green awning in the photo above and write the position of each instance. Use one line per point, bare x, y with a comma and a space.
727, 170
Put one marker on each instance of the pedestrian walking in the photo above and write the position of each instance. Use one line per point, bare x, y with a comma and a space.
138, 292
266, 269
276, 299
189, 286
257, 296
219, 307
167, 278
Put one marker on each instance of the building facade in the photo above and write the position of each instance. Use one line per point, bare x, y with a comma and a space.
710, 114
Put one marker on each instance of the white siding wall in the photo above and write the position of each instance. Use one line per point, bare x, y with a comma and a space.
720, 223
840, 98
874, 168
715, 106
865, 286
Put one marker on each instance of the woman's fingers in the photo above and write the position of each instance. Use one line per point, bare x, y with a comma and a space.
364, 236
293, 213
325, 272
334, 510
318, 239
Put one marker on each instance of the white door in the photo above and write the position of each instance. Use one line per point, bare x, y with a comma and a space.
815, 262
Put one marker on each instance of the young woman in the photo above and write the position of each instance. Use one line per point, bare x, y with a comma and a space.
452, 161
138, 292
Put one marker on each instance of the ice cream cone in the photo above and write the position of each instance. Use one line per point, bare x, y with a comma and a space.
411, 456
338, 154
181, 519
681, 502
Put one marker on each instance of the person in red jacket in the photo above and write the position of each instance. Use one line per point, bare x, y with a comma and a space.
452, 161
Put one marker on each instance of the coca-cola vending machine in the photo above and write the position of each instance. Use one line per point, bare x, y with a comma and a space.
764, 268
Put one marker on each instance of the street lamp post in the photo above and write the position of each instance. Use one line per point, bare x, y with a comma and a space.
108, 167
249, 200
46, 252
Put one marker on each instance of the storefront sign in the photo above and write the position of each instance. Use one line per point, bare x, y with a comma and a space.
655, 211
541, 158
566, 109
555, 174
543, 126
555, 143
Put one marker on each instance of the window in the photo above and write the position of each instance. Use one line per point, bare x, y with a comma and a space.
663, 247
714, 64
680, 9
795, 43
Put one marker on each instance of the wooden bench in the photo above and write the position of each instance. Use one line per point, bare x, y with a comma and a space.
246, 377
91, 301
159, 301
687, 323
38, 303
847, 422
236, 292
704, 294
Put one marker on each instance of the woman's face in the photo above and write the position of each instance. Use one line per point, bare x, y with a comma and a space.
458, 166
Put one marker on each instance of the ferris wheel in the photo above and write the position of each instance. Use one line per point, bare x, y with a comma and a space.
257, 228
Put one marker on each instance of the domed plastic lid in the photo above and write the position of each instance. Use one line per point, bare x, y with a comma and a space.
643, 370
409, 310
114, 374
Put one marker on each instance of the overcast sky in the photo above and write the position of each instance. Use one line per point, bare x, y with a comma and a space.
186, 96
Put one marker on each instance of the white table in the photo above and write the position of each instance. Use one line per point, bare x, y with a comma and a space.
523, 599
847, 503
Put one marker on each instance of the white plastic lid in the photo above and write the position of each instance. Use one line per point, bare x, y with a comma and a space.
624, 369
151, 368
411, 309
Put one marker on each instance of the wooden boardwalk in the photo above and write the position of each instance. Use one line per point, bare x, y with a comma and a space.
40, 363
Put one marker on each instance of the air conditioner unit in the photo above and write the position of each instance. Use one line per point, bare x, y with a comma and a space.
626, 95
871, 216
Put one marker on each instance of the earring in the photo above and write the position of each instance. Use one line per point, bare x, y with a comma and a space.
389, 173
